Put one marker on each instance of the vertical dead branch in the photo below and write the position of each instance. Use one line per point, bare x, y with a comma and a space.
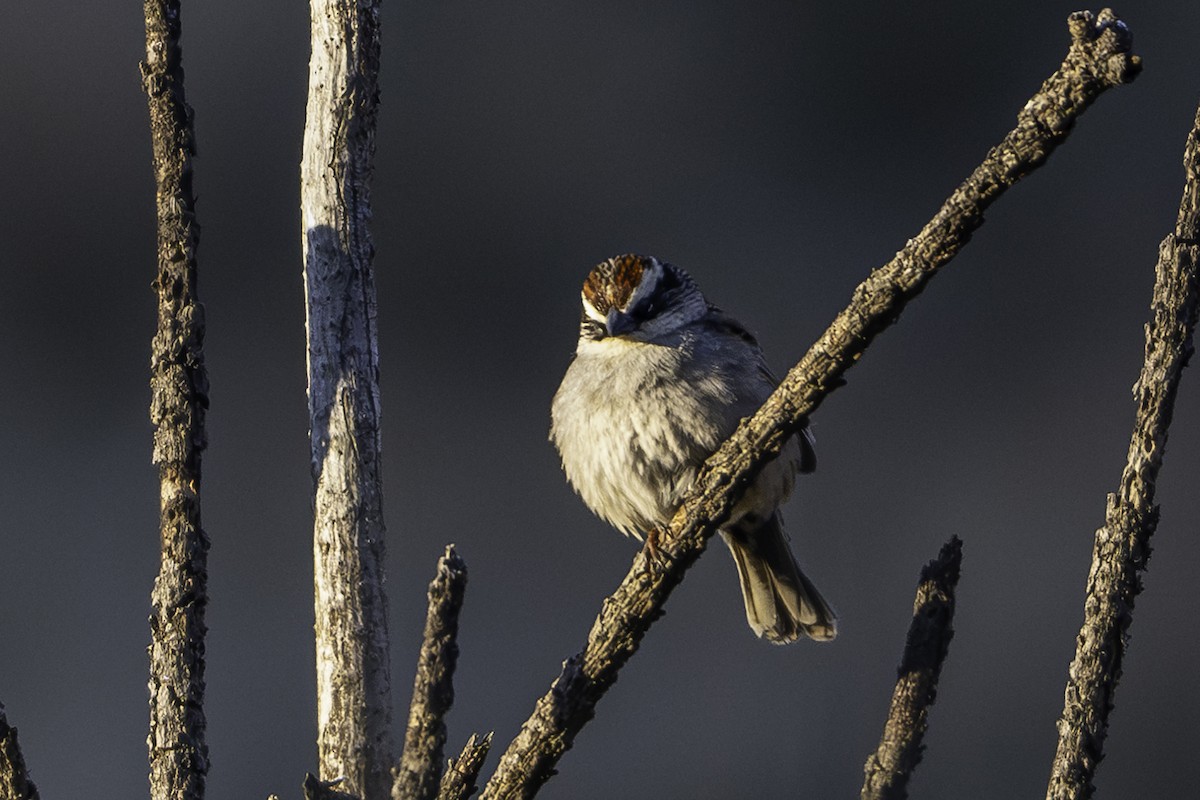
458, 783
353, 681
179, 387
1097, 60
1122, 546
14, 780
420, 769
900, 750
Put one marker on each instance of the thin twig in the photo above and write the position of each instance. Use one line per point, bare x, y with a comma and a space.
458, 782
14, 779
420, 769
1122, 546
179, 387
1098, 59
900, 749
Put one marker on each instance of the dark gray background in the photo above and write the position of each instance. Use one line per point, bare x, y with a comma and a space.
777, 150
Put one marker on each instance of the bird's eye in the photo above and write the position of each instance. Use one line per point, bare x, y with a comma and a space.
647, 309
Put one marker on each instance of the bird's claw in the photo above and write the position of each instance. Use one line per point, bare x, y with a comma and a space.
656, 558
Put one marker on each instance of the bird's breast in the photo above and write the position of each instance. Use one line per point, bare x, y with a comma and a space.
632, 424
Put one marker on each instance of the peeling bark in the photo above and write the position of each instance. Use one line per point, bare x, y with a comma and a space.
420, 769
353, 680
1122, 545
1098, 59
179, 388
891, 765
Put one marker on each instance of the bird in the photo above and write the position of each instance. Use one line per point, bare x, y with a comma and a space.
659, 379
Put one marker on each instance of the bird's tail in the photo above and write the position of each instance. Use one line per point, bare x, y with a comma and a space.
782, 605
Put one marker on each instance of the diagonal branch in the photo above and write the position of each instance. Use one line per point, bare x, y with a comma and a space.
458, 783
1098, 59
900, 750
179, 386
420, 769
14, 780
1122, 546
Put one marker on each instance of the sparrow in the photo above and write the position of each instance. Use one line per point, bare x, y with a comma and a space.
660, 378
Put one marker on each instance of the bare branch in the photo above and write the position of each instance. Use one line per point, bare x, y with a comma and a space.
1122, 546
900, 750
420, 769
354, 695
1097, 60
179, 386
458, 783
14, 780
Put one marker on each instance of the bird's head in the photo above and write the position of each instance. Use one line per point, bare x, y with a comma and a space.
638, 298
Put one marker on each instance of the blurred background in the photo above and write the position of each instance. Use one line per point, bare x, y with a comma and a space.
776, 150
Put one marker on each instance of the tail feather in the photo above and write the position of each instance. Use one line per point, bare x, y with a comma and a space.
782, 605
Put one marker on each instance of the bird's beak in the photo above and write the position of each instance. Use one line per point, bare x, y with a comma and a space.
618, 322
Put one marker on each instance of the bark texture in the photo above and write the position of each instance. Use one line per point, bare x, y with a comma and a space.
353, 681
1098, 59
1122, 545
458, 783
420, 769
900, 749
14, 780
179, 398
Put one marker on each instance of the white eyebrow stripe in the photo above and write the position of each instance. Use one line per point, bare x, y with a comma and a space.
650, 278
591, 311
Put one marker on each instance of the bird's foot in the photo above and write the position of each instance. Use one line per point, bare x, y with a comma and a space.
656, 558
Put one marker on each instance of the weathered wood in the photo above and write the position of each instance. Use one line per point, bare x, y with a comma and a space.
891, 765
1098, 59
14, 779
179, 398
420, 770
1122, 545
458, 782
353, 679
